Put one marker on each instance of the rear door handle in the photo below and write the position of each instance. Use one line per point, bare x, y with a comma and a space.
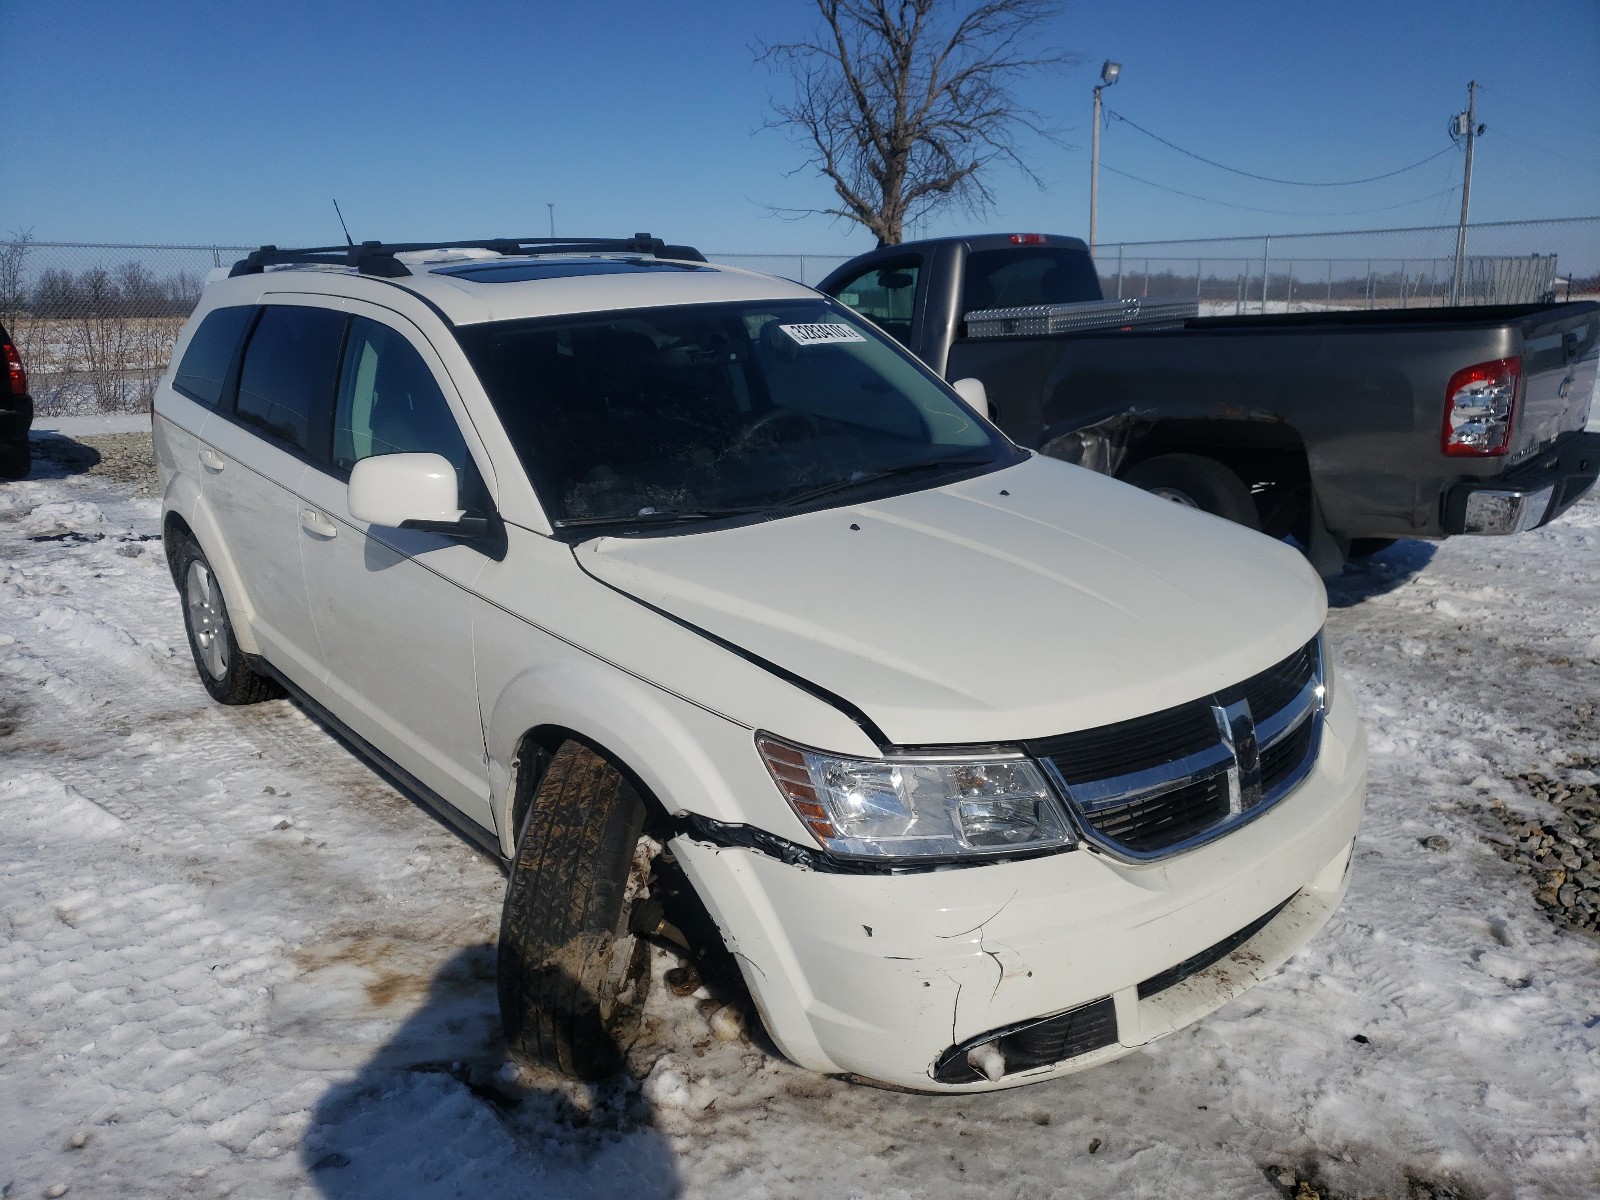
317, 524
211, 460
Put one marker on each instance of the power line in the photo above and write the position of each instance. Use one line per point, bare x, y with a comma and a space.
1546, 150
1268, 178
1524, 104
1282, 212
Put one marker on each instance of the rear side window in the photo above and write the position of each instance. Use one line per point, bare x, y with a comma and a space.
204, 369
290, 366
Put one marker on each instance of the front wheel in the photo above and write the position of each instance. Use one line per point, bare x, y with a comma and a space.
572, 977
1195, 481
223, 669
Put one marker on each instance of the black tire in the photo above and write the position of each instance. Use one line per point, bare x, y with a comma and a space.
1367, 547
227, 675
16, 460
572, 978
1197, 482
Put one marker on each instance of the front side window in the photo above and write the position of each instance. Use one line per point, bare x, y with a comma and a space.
204, 368
287, 380
390, 403
700, 411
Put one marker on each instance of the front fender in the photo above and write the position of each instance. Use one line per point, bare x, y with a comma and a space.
691, 759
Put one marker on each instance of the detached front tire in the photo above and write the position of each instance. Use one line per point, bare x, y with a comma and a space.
222, 665
1195, 481
572, 978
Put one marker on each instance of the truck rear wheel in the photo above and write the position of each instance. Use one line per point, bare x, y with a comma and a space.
572, 977
1197, 482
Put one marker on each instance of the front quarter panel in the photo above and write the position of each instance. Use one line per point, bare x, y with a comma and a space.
557, 649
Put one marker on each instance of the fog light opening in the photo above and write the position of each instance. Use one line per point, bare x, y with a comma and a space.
988, 1060
1029, 1045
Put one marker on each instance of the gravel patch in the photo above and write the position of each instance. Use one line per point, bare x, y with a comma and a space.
1560, 851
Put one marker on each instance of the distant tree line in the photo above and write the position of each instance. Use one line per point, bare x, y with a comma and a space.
129, 290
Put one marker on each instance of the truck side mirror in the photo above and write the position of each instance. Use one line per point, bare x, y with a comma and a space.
975, 394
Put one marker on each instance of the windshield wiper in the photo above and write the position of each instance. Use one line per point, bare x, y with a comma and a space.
861, 478
663, 516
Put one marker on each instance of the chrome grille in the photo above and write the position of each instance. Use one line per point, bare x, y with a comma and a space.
1169, 781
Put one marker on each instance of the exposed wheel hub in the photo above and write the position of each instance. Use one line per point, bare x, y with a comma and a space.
207, 621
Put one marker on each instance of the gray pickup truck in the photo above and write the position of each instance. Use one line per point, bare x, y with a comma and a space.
1346, 429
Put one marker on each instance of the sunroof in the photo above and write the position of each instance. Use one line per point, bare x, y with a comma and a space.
519, 270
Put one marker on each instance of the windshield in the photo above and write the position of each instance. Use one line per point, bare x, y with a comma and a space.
705, 411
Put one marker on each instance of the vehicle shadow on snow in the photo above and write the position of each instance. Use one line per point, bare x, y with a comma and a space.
1385, 571
435, 1114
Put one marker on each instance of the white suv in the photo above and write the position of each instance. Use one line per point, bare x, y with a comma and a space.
682, 587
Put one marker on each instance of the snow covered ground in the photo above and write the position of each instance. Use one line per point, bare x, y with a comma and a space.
233, 961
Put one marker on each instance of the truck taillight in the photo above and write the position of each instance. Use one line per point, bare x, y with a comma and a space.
1479, 404
19, 377
1027, 239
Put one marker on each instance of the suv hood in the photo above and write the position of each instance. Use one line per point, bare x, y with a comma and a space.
1031, 601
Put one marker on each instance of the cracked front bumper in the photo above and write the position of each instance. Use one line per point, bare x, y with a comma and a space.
880, 976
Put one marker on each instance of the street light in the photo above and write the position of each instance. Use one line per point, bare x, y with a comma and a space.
1108, 75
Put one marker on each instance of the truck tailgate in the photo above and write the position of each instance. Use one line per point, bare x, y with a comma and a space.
1559, 357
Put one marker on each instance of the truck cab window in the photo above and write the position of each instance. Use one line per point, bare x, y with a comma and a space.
1013, 278
885, 295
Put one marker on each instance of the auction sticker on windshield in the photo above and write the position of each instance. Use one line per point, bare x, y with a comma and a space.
814, 335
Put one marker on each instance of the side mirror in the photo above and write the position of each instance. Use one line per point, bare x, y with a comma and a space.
975, 394
414, 491
894, 281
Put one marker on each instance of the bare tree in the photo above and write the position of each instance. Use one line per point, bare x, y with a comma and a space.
13, 277
903, 105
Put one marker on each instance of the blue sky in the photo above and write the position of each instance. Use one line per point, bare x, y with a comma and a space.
226, 122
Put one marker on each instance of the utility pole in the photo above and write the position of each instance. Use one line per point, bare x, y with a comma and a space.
1108, 75
552, 209
1465, 123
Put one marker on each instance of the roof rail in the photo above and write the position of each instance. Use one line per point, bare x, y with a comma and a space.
378, 258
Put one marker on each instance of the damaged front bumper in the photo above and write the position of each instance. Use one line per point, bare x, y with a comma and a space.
993, 976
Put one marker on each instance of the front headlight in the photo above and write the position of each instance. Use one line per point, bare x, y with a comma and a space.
1324, 670
917, 807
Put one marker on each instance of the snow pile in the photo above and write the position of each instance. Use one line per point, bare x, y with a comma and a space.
234, 961
51, 520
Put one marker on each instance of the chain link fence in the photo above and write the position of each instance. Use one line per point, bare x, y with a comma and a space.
96, 323
1509, 262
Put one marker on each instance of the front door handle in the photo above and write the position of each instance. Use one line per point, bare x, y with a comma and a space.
317, 524
211, 460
